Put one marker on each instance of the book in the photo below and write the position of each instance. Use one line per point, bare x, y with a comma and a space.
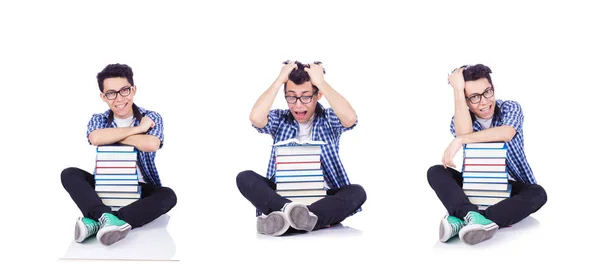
484, 168
486, 145
485, 161
116, 170
486, 174
116, 164
485, 153
296, 142
297, 158
304, 178
117, 188
136, 194
317, 185
484, 180
116, 175
282, 173
115, 156
298, 166
505, 193
115, 148
486, 186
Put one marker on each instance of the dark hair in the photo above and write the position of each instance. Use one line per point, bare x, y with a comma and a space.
114, 71
299, 76
476, 72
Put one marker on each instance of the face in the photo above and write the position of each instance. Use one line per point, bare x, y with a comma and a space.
485, 107
122, 106
302, 112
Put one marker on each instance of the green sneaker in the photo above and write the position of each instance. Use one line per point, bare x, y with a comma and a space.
112, 229
477, 229
85, 227
449, 227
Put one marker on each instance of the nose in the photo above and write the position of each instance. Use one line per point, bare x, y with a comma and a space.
484, 100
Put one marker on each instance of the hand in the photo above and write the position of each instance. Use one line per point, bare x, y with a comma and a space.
316, 73
453, 148
288, 66
457, 80
146, 124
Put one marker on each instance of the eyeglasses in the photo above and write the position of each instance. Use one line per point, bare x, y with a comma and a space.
125, 91
303, 99
476, 98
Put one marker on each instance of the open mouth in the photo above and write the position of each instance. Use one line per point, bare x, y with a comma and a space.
301, 115
486, 109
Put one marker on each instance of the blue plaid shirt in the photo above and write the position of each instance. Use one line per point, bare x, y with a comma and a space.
509, 113
326, 127
145, 159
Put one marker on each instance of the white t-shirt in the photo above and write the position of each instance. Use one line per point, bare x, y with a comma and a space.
485, 124
128, 122
305, 133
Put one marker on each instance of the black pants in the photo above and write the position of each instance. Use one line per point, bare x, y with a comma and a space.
333, 209
155, 201
525, 198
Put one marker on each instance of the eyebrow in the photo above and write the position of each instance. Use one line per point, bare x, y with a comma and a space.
484, 90
301, 92
116, 90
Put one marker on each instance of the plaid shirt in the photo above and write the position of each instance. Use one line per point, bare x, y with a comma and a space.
145, 159
509, 113
326, 127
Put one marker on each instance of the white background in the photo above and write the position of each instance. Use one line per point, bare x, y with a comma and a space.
202, 66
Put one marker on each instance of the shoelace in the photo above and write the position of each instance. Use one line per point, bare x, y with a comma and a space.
104, 220
92, 227
471, 217
456, 227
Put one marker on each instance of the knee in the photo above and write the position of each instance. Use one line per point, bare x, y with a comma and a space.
434, 172
67, 174
359, 193
540, 196
243, 180
169, 197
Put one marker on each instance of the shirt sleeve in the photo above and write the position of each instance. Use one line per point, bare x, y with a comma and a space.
335, 122
157, 130
274, 120
512, 115
452, 130
98, 121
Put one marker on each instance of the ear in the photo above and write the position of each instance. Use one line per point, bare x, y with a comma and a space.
102, 97
133, 90
319, 95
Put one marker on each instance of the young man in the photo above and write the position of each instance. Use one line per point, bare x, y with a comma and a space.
306, 119
479, 117
127, 124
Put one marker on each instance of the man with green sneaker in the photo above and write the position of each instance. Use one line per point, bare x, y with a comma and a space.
479, 117
127, 124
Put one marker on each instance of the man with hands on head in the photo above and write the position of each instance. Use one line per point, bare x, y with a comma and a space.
305, 119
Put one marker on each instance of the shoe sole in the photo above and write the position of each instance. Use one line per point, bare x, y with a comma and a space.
475, 234
300, 217
80, 231
445, 230
110, 235
273, 224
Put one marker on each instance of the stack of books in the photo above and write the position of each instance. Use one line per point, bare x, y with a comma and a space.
298, 173
116, 175
484, 172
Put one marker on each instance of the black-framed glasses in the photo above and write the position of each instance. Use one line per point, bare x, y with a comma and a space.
303, 99
125, 91
476, 98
